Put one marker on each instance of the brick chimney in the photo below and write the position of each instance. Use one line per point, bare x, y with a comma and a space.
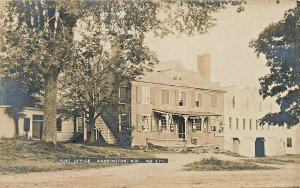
203, 65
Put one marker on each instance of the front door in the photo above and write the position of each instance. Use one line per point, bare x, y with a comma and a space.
181, 130
37, 129
236, 145
260, 147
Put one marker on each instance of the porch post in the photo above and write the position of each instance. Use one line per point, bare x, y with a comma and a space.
186, 117
168, 126
202, 126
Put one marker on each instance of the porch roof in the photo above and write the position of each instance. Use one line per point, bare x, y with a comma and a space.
190, 113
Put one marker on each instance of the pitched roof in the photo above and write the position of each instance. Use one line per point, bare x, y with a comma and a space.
167, 65
190, 78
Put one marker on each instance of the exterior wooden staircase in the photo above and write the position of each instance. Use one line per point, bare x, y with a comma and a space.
103, 129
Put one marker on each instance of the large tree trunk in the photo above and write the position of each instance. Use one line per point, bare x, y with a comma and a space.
50, 109
16, 121
91, 127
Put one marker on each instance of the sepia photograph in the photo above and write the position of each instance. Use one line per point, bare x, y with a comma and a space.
149, 93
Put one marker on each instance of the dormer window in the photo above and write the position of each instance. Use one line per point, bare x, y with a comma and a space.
178, 75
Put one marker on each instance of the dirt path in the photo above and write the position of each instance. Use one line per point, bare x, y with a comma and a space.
158, 175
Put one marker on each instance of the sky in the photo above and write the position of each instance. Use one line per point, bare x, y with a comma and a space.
233, 62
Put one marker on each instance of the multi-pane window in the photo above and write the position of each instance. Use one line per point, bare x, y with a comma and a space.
250, 124
244, 124
196, 125
26, 124
230, 122
237, 123
256, 124
79, 124
214, 100
146, 121
58, 125
198, 99
289, 142
164, 124
145, 95
165, 96
182, 98
122, 122
37, 117
122, 94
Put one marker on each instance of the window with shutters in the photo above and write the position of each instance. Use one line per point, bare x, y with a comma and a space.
289, 142
198, 99
230, 122
79, 124
145, 95
182, 98
256, 124
164, 124
59, 125
196, 125
122, 122
122, 94
244, 124
237, 123
214, 100
146, 122
250, 124
165, 96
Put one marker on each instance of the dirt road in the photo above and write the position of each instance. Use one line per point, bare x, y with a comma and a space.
158, 175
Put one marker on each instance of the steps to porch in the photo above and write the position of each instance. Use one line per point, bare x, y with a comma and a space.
105, 132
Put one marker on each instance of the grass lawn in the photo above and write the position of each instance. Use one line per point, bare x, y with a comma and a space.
213, 164
281, 160
23, 156
229, 153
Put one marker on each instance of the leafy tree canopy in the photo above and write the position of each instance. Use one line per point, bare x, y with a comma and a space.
41, 37
280, 43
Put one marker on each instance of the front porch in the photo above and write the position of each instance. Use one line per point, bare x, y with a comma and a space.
174, 127
197, 128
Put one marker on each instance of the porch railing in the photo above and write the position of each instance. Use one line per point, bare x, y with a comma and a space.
167, 140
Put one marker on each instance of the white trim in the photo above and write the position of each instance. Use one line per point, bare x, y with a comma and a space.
180, 95
142, 94
197, 98
149, 122
161, 99
120, 121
